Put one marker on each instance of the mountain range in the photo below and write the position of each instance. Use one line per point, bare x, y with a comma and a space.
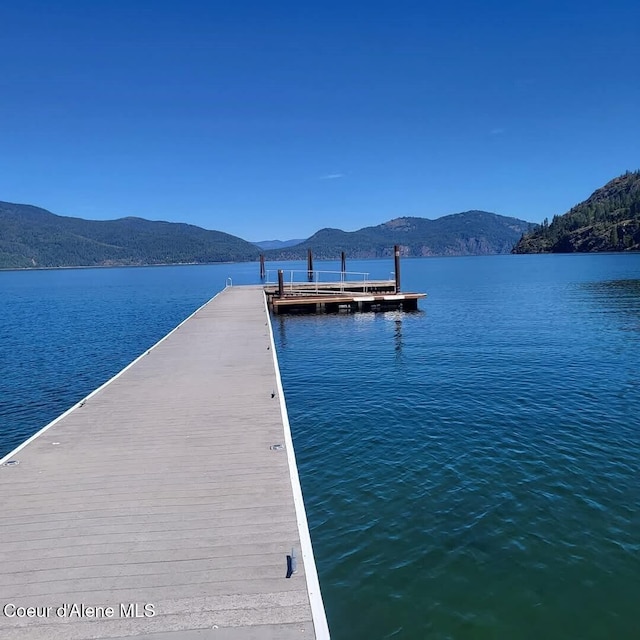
31, 237
468, 233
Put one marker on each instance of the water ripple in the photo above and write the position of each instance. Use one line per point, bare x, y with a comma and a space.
469, 471
472, 471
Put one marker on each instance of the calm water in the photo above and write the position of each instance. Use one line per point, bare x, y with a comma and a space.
470, 471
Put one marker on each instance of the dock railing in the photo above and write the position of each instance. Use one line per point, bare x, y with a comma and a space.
297, 281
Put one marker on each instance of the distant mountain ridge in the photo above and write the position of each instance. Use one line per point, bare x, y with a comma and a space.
467, 233
34, 237
609, 220
277, 244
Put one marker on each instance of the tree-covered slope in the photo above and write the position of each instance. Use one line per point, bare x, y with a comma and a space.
468, 233
609, 220
34, 237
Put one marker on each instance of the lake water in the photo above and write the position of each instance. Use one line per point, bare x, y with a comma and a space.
470, 470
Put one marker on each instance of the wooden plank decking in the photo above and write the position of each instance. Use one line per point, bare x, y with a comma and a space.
162, 489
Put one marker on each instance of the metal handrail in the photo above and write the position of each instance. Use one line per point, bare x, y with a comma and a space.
316, 277
319, 271
323, 292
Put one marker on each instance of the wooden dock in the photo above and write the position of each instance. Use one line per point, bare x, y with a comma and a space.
335, 302
344, 295
337, 291
166, 505
341, 286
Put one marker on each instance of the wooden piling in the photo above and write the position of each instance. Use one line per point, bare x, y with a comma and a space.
280, 283
309, 265
396, 254
343, 263
262, 270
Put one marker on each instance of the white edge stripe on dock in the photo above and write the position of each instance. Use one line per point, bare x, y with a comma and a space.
394, 297
320, 624
102, 386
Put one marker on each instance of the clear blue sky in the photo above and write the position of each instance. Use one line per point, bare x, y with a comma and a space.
274, 119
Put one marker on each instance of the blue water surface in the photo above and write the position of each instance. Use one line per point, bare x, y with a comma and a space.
470, 470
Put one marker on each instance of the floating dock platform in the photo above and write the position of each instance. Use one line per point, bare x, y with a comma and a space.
166, 505
344, 295
363, 286
344, 302
336, 291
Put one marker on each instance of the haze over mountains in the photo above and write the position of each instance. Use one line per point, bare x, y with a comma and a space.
278, 244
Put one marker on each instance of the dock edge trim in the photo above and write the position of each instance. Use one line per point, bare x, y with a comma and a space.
78, 404
318, 613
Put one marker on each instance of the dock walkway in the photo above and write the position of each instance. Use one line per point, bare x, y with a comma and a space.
162, 489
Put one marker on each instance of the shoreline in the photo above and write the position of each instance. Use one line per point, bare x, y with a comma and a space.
207, 264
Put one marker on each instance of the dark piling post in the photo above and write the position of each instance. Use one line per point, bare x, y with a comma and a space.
309, 265
280, 284
262, 272
396, 254
343, 264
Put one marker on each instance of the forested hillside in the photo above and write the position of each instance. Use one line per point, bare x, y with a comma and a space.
468, 233
34, 237
609, 220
